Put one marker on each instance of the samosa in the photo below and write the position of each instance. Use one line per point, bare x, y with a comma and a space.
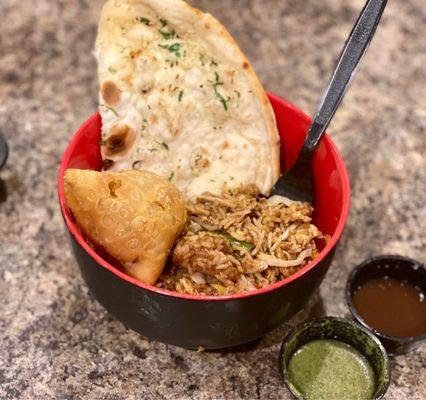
134, 215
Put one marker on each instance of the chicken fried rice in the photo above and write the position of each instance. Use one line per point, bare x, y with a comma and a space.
240, 241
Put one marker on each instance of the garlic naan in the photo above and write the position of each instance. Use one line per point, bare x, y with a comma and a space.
180, 99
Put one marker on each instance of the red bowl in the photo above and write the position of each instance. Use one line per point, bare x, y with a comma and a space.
208, 321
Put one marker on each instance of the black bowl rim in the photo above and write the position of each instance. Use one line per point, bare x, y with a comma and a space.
330, 245
355, 325
354, 312
4, 143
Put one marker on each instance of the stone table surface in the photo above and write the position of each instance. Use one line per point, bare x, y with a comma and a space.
56, 341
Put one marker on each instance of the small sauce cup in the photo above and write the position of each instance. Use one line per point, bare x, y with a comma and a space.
351, 333
396, 267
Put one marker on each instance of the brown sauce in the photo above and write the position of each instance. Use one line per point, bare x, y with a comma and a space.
392, 307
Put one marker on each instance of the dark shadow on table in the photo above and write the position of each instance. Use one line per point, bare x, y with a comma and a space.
3, 191
313, 309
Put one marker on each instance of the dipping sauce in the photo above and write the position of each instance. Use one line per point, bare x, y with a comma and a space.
392, 307
330, 369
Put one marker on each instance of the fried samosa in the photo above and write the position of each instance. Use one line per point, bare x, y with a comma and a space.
134, 215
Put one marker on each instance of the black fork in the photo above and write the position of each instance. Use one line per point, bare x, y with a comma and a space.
296, 183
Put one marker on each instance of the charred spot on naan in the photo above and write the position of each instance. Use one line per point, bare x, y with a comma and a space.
119, 141
199, 160
230, 73
107, 164
137, 164
128, 80
204, 162
111, 93
135, 53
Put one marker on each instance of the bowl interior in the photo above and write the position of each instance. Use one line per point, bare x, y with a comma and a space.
339, 329
331, 181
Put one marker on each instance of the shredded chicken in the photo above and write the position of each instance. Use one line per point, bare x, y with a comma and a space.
240, 241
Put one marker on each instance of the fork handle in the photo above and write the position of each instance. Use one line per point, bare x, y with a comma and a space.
351, 56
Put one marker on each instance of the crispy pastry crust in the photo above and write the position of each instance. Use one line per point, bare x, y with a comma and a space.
135, 216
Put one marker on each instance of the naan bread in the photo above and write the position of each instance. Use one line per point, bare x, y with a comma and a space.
179, 98
135, 216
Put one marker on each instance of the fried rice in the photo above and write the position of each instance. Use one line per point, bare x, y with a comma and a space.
240, 241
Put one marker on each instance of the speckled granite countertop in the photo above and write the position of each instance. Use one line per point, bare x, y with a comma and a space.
56, 342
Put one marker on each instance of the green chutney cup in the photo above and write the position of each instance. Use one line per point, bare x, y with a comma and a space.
351, 333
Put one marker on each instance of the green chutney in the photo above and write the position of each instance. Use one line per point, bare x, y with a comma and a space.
329, 369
